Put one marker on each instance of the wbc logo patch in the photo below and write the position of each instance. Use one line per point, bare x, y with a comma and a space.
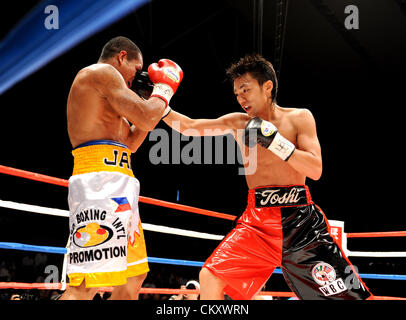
325, 276
323, 273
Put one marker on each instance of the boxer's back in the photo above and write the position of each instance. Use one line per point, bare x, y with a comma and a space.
90, 116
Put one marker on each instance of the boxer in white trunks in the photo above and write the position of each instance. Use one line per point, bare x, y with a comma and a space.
106, 123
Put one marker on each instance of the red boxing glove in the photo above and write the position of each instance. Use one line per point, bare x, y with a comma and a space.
166, 76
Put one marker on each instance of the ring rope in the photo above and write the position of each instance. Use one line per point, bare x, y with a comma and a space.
62, 182
61, 250
374, 254
376, 234
145, 226
181, 232
190, 263
57, 286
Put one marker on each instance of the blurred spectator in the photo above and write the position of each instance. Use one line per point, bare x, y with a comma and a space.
15, 296
262, 297
191, 285
147, 296
5, 275
40, 260
55, 295
33, 294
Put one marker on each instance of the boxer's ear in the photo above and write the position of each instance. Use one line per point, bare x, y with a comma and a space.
268, 86
121, 56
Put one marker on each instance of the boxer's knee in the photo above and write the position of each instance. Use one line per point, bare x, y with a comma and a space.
79, 293
130, 290
211, 287
206, 277
137, 281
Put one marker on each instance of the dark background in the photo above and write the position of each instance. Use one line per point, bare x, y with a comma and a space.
351, 80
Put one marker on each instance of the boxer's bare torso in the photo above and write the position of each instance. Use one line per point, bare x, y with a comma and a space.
296, 125
101, 105
90, 115
270, 170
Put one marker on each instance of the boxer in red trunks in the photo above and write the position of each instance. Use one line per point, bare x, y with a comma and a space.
281, 225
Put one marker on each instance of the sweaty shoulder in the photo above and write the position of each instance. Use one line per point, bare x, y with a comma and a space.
301, 117
100, 75
236, 120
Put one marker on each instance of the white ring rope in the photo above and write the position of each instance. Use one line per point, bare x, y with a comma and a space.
34, 209
145, 226
373, 254
176, 231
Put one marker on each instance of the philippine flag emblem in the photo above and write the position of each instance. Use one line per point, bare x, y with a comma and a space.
121, 204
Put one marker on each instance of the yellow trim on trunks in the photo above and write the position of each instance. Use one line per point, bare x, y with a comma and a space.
102, 157
107, 279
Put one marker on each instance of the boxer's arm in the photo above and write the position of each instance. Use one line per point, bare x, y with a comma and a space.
133, 136
205, 127
144, 114
306, 158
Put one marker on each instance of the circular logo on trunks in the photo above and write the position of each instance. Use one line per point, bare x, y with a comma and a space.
92, 235
323, 273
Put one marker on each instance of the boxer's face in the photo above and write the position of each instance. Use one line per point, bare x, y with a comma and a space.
129, 68
251, 96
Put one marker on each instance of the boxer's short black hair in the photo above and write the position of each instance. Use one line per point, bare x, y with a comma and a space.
115, 45
260, 69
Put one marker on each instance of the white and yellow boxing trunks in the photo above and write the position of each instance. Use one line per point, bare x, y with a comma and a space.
106, 238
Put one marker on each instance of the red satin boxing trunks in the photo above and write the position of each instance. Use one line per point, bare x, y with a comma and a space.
281, 226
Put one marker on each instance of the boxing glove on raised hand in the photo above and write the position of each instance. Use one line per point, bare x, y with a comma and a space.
264, 133
142, 85
166, 76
